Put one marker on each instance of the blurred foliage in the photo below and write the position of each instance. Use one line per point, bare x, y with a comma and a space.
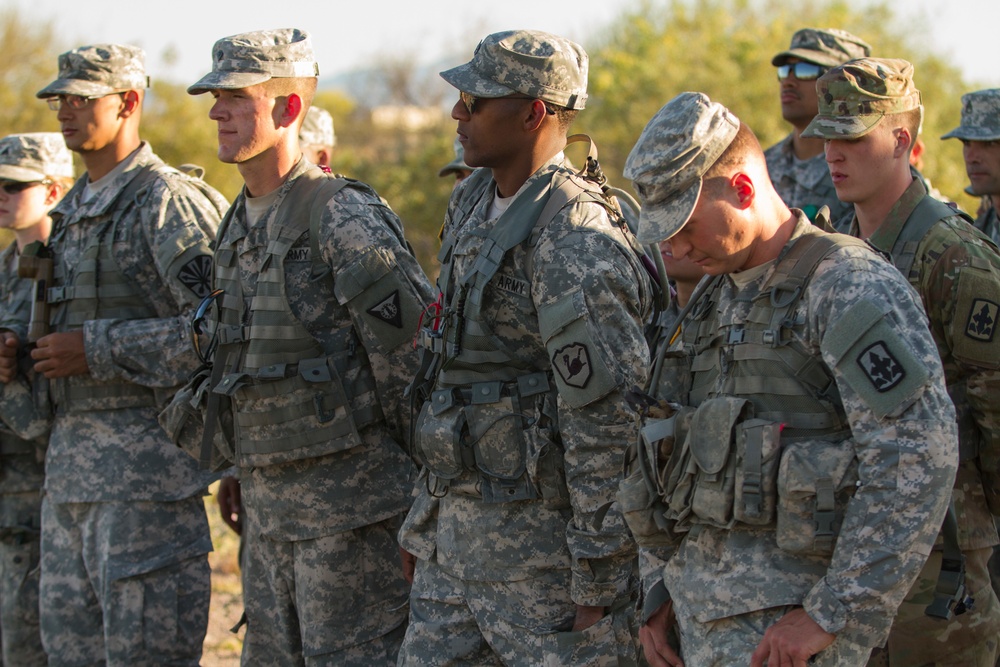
653, 51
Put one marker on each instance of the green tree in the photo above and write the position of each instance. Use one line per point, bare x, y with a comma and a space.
28, 51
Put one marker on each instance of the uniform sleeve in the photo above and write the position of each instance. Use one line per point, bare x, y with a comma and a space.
874, 337
164, 247
385, 291
592, 300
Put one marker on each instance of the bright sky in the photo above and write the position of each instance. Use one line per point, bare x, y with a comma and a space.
349, 34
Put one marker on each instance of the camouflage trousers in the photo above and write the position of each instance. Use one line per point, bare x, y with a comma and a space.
730, 641
334, 600
20, 637
968, 640
528, 622
125, 583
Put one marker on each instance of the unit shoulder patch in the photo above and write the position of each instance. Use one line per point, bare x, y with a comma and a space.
881, 368
388, 310
196, 275
981, 324
572, 362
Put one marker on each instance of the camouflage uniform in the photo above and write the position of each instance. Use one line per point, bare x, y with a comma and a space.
981, 122
321, 284
24, 429
528, 367
956, 272
125, 577
806, 184
733, 572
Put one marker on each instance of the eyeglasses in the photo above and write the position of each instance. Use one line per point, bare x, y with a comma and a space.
15, 187
469, 100
197, 327
74, 102
802, 71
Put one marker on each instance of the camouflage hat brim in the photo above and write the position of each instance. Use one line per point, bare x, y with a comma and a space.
468, 80
807, 55
227, 81
10, 172
972, 134
75, 87
841, 127
454, 167
658, 222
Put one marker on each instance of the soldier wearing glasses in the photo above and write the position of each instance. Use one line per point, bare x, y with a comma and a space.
124, 573
521, 558
796, 163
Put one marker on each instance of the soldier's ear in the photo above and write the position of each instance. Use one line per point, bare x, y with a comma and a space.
744, 188
130, 103
292, 111
903, 142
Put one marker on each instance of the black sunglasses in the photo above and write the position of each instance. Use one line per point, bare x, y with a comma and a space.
802, 71
15, 187
197, 328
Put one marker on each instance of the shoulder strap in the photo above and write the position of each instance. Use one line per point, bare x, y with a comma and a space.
924, 216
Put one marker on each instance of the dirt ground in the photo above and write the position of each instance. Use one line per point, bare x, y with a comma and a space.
222, 647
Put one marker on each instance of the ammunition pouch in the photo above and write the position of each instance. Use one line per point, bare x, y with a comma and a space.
184, 422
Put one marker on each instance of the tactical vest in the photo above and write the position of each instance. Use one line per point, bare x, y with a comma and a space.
292, 398
486, 406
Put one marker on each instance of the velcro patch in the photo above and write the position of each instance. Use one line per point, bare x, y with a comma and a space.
510, 285
196, 275
388, 310
881, 368
982, 321
572, 362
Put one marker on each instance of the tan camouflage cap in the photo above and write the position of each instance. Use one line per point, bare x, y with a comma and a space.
317, 128
544, 66
829, 47
250, 58
99, 70
681, 142
855, 96
980, 117
458, 164
34, 156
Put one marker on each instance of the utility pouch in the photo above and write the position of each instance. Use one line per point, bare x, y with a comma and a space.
183, 420
758, 449
712, 441
496, 426
443, 444
816, 480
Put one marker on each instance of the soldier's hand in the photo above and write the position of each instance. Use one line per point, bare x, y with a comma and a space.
791, 641
587, 616
8, 356
653, 637
60, 355
409, 562
230, 502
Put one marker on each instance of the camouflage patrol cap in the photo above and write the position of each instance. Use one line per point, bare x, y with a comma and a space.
99, 70
34, 156
544, 66
458, 164
980, 117
250, 58
829, 47
855, 96
681, 142
317, 128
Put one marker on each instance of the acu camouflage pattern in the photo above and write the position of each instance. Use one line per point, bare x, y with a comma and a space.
855, 96
717, 573
829, 47
957, 275
23, 436
538, 64
34, 156
98, 70
317, 128
581, 258
251, 58
327, 497
804, 184
980, 117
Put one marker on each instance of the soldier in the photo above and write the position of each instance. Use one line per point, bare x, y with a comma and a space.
796, 163
124, 533
320, 300
534, 341
36, 170
979, 132
869, 113
316, 138
457, 167
801, 475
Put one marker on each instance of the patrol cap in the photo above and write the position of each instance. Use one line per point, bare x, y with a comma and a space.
681, 142
317, 128
33, 156
538, 64
829, 47
250, 58
458, 164
855, 96
99, 70
980, 117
